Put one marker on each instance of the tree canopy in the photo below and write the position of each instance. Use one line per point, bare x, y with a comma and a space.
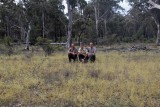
99, 21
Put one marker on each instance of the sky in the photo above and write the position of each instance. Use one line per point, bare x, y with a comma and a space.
123, 4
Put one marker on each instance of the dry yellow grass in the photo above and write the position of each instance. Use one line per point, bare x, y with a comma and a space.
115, 80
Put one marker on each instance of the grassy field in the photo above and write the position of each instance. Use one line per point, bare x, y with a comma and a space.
117, 79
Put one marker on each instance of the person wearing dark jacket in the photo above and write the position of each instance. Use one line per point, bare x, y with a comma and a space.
72, 53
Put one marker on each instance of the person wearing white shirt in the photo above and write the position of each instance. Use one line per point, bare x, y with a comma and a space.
82, 53
91, 52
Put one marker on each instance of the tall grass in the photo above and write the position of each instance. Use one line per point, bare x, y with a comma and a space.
115, 80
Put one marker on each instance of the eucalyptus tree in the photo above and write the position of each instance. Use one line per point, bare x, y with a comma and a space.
56, 20
103, 10
80, 20
7, 16
41, 18
27, 19
139, 25
71, 5
154, 4
152, 7
155, 10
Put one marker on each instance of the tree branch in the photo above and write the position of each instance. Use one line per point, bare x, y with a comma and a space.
104, 14
154, 5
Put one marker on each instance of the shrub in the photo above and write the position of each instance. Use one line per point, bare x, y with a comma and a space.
8, 45
7, 41
45, 44
59, 48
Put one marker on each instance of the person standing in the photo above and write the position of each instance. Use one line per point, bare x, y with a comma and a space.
91, 52
72, 53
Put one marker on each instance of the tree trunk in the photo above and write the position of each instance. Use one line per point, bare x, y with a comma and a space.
5, 31
97, 22
28, 37
79, 8
43, 24
70, 13
154, 5
22, 33
7, 26
97, 31
158, 35
105, 27
158, 31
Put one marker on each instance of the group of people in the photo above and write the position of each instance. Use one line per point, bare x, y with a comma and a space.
83, 54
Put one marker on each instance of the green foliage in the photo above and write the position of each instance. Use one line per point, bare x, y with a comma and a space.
42, 41
59, 48
47, 19
46, 46
7, 41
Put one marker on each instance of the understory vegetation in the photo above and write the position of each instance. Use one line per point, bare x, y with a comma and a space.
117, 79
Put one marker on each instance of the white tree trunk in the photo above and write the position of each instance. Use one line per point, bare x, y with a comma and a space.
70, 16
158, 35
154, 5
158, 32
97, 24
28, 37
157, 6
97, 21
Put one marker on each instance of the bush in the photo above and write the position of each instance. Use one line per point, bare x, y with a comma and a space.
127, 39
7, 43
59, 48
109, 40
45, 44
